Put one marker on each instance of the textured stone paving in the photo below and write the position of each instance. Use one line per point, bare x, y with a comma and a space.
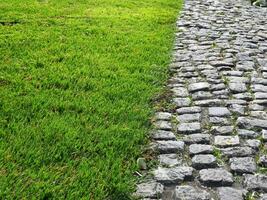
214, 144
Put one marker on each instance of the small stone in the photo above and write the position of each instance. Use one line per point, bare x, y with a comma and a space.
222, 130
163, 116
186, 192
189, 128
255, 144
255, 182
229, 193
216, 177
198, 86
243, 165
163, 125
237, 109
163, 135
188, 117
219, 111
197, 138
249, 123
237, 151
151, 189
200, 149
180, 92
237, 87
181, 102
247, 133
173, 175
219, 121
226, 141
189, 110
204, 161
169, 146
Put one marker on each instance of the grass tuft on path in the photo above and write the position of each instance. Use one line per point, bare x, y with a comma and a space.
76, 83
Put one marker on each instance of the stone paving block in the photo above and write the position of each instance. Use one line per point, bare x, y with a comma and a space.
200, 149
169, 146
256, 182
163, 125
150, 189
163, 135
216, 177
186, 192
226, 141
204, 161
230, 193
189, 110
163, 116
197, 138
198, 86
173, 175
237, 151
169, 160
189, 128
243, 165
219, 111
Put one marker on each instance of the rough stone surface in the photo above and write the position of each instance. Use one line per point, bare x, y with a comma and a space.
216, 177
169, 160
186, 192
229, 193
150, 189
189, 128
200, 149
204, 161
255, 182
243, 165
173, 175
169, 146
219, 111
226, 141
163, 135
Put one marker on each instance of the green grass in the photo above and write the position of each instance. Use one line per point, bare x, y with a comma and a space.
76, 83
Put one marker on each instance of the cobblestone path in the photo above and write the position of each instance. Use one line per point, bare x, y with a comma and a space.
214, 144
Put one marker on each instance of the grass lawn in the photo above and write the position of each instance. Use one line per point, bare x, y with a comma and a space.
76, 82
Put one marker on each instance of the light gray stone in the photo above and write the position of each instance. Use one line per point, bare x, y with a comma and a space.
189, 128
229, 193
150, 189
189, 110
197, 138
181, 102
237, 151
163, 116
248, 123
198, 86
219, 111
216, 177
169, 146
222, 130
169, 160
247, 133
226, 141
243, 165
200, 149
256, 182
163, 135
173, 175
204, 161
186, 192
236, 87
163, 125
188, 117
